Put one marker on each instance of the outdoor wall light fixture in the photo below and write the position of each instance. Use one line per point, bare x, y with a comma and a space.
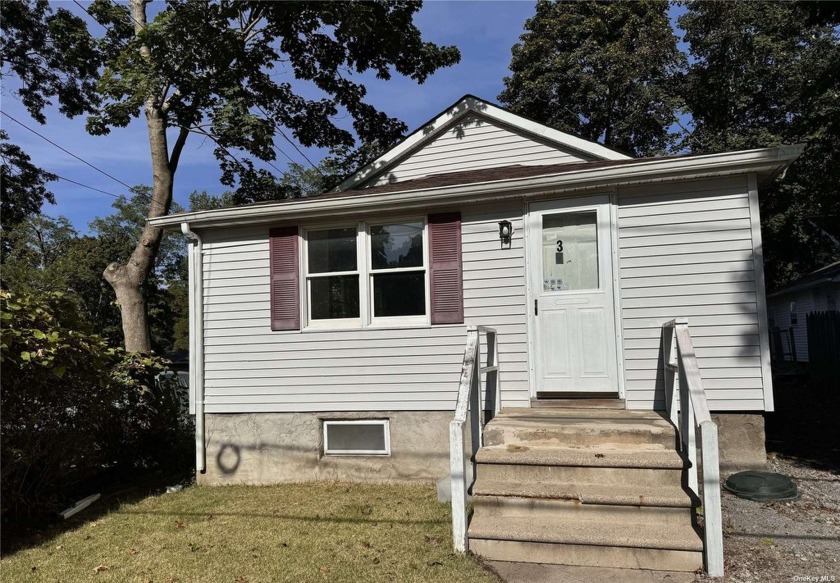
505, 232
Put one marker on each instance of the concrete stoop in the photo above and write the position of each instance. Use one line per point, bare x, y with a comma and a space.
587, 487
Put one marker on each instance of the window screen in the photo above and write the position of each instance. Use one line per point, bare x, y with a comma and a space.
368, 437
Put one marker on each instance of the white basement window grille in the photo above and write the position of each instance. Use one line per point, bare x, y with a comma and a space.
357, 437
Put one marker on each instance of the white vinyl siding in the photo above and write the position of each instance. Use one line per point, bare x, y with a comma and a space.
494, 292
475, 143
685, 250
249, 368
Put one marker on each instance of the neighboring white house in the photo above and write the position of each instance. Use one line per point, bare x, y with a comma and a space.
789, 307
331, 329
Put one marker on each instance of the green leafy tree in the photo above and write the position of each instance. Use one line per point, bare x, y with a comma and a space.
764, 74
124, 227
224, 69
23, 186
53, 57
48, 256
602, 70
36, 244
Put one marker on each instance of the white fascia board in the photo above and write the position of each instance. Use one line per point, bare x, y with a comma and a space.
465, 106
666, 169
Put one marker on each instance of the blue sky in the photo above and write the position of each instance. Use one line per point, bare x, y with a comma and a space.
483, 31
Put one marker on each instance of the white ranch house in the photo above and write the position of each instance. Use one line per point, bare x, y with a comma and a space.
335, 337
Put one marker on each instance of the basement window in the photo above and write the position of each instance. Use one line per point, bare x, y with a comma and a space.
357, 437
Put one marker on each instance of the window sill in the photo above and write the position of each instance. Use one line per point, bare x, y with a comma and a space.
354, 454
377, 326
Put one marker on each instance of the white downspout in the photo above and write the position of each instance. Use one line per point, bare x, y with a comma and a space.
197, 346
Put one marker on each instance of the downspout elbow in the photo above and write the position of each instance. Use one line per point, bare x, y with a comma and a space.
197, 355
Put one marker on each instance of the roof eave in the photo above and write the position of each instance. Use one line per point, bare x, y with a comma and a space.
765, 161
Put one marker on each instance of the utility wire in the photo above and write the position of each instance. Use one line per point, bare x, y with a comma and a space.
282, 133
111, 194
65, 150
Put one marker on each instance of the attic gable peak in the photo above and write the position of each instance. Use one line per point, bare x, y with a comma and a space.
465, 106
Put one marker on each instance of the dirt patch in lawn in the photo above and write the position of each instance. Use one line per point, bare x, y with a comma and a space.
249, 534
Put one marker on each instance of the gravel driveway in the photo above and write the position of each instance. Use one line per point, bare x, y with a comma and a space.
785, 541
796, 541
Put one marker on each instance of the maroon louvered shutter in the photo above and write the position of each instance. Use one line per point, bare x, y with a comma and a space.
447, 296
285, 298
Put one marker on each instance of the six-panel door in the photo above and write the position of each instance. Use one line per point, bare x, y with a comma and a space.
572, 319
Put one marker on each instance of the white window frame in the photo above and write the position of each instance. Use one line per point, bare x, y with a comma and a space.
373, 319
365, 272
386, 428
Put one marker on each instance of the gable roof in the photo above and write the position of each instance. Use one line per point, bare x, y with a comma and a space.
472, 105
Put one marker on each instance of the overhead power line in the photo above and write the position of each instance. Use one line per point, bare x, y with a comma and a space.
65, 150
111, 194
282, 133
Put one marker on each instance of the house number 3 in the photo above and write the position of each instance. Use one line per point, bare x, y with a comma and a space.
560, 246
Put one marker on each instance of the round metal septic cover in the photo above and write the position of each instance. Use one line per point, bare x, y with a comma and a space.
756, 485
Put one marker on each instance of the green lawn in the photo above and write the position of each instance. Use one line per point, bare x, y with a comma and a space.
239, 534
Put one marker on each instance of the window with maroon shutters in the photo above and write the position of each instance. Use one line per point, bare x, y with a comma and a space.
400, 272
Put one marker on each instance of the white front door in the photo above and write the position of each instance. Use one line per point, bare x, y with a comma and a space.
572, 313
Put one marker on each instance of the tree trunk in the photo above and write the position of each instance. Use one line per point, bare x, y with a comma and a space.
127, 279
132, 308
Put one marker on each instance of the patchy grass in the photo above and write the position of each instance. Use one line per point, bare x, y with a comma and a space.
250, 534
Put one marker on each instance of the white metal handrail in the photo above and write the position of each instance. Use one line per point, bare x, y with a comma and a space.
686, 403
470, 404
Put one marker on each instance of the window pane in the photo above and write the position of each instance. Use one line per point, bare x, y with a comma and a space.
570, 251
399, 294
332, 250
396, 245
335, 296
356, 437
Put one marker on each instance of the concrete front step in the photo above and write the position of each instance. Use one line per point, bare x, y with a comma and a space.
587, 555
569, 541
574, 412
533, 465
584, 403
590, 487
628, 494
580, 428
608, 514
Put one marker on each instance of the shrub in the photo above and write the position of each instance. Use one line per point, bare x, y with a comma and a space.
74, 408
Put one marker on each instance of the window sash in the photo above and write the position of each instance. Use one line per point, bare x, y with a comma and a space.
417, 319
306, 292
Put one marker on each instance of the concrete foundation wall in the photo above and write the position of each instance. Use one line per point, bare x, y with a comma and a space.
741, 437
266, 448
